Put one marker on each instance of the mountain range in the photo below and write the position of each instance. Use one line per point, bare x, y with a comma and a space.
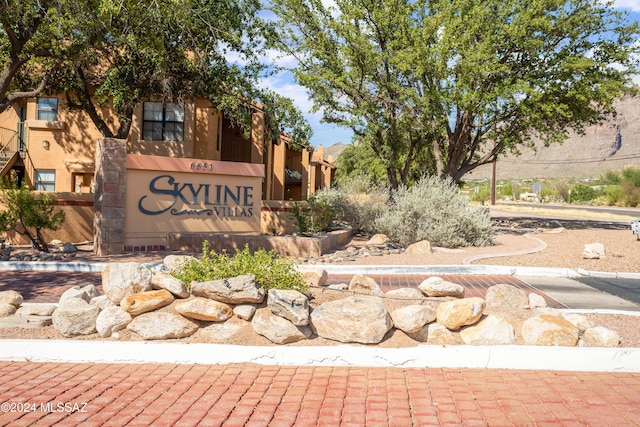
611, 145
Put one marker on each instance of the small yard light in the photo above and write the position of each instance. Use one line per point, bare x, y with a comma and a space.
46, 144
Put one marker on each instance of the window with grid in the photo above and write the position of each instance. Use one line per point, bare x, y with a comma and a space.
163, 122
45, 180
47, 109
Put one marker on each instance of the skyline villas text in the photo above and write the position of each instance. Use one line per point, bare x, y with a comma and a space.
221, 199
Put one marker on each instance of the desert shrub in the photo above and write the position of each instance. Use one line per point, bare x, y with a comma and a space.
356, 203
313, 216
271, 270
624, 187
434, 210
583, 193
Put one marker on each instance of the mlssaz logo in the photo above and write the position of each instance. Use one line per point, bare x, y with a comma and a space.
221, 200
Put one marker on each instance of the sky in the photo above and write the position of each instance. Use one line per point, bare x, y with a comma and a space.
327, 134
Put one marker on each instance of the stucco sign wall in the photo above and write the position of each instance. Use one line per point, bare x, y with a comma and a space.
179, 195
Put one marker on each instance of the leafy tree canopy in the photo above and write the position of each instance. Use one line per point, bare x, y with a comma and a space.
443, 80
125, 52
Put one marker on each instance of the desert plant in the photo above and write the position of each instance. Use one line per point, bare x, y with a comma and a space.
313, 216
356, 203
270, 269
28, 212
434, 210
583, 193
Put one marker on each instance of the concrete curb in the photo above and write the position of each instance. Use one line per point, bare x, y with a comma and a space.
492, 357
97, 267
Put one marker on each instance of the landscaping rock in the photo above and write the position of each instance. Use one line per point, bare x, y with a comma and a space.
458, 313
422, 247
11, 297
580, 321
75, 316
338, 287
594, 251
67, 248
162, 280
112, 319
160, 325
277, 329
412, 318
235, 290
505, 298
175, 262
220, 332
102, 302
122, 279
536, 301
36, 310
440, 335
204, 309
290, 304
599, 336
244, 311
365, 285
405, 293
353, 319
7, 309
438, 287
549, 331
491, 330
377, 240
145, 302
75, 292
313, 276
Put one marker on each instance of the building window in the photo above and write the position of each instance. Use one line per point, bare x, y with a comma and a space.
45, 180
48, 109
163, 122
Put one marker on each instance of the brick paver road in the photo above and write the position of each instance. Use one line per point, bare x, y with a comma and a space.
235, 395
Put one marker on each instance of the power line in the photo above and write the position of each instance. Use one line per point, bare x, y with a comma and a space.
573, 161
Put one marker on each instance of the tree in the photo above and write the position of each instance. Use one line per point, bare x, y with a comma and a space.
28, 213
34, 37
458, 82
122, 53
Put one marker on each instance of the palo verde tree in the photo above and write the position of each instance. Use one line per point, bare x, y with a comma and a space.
457, 83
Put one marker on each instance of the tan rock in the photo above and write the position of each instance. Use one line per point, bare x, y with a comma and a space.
438, 287
599, 336
458, 313
422, 247
365, 285
162, 280
412, 318
361, 319
378, 240
491, 330
159, 325
549, 331
204, 309
405, 293
122, 279
7, 309
11, 297
278, 329
313, 276
503, 297
145, 302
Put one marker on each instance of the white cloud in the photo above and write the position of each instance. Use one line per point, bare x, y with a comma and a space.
634, 5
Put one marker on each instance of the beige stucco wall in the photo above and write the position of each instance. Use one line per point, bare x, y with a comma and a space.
78, 225
187, 196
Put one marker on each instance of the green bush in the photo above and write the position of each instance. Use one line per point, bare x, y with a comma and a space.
271, 270
356, 203
434, 210
581, 193
312, 216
